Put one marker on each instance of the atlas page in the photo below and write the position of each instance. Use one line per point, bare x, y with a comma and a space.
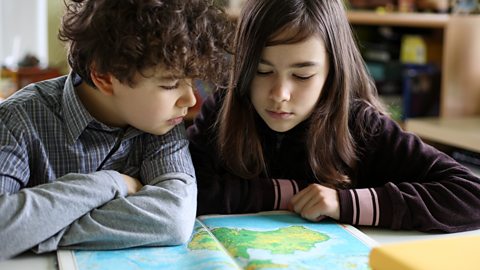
283, 240
267, 240
201, 252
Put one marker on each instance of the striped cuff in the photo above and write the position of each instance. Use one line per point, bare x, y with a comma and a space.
365, 207
284, 191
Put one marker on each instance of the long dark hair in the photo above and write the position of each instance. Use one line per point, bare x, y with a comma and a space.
332, 150
124, 37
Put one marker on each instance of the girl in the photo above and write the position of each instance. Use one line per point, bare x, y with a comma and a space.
300, 127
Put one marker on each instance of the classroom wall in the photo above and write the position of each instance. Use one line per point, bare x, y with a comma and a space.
56, 49
22, 30
28, 26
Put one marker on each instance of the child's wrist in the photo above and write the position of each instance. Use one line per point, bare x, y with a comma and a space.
284, 190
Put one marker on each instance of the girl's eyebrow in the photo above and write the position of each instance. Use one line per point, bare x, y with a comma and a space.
295, 65
265, 62
305, 64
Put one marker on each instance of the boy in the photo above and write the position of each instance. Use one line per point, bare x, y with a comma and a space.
98, 159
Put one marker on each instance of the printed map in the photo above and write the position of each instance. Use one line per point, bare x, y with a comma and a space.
270, 241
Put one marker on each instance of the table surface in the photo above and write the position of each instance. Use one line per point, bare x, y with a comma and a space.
48, 261
459, 132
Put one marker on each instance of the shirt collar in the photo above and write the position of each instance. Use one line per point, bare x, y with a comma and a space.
77, 118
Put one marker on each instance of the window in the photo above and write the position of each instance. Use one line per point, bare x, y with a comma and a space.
23, 29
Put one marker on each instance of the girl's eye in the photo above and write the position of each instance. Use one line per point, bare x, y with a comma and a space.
263, 73
170, 87
303, 78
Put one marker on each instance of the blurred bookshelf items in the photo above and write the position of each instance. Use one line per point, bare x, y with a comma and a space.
406, 5
421, 95
465, 6
27, 70
413, 50
435, 6
397, 59
420, 80
441, 6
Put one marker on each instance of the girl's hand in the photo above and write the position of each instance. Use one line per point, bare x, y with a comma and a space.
315, 202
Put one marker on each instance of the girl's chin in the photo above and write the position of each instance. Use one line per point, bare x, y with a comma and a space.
279, 127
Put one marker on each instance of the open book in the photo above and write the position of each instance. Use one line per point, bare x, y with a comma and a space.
267, 240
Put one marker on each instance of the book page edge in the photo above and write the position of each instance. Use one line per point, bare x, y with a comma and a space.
66, 260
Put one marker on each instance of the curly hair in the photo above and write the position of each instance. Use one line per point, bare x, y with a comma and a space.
189, 37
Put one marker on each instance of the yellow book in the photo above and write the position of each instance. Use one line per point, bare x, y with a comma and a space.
452, 253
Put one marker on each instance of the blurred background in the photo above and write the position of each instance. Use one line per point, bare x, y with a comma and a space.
29, 48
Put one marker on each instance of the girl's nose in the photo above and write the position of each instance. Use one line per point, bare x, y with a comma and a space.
280, 92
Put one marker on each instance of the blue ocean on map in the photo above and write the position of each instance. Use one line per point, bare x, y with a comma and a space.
340, 250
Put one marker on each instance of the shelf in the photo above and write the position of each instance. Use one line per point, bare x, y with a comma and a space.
459, 132
414, 19
420, 20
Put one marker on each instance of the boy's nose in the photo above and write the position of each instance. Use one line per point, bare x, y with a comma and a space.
188, 98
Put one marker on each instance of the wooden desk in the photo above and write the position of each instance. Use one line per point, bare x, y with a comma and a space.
459, 132
48, 261
26, 75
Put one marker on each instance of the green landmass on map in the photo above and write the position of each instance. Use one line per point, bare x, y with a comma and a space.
280, 241
202, 240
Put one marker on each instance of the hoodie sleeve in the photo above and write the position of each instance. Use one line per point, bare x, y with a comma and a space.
403, 183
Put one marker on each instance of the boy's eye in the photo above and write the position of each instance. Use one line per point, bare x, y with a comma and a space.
303, 78
170, 87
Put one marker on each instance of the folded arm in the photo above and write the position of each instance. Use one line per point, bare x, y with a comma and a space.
32, 215
161, 213
29, 215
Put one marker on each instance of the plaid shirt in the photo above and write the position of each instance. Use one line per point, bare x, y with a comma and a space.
48, 137
45, 133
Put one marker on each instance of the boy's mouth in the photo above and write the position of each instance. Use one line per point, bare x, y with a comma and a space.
175, 121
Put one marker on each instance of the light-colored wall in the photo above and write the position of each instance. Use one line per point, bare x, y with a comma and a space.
22, 30
28, 26
57, 54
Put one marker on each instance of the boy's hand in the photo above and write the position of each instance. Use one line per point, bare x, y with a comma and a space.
315, 202
133, 185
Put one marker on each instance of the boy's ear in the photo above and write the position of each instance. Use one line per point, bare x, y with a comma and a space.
103, 82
